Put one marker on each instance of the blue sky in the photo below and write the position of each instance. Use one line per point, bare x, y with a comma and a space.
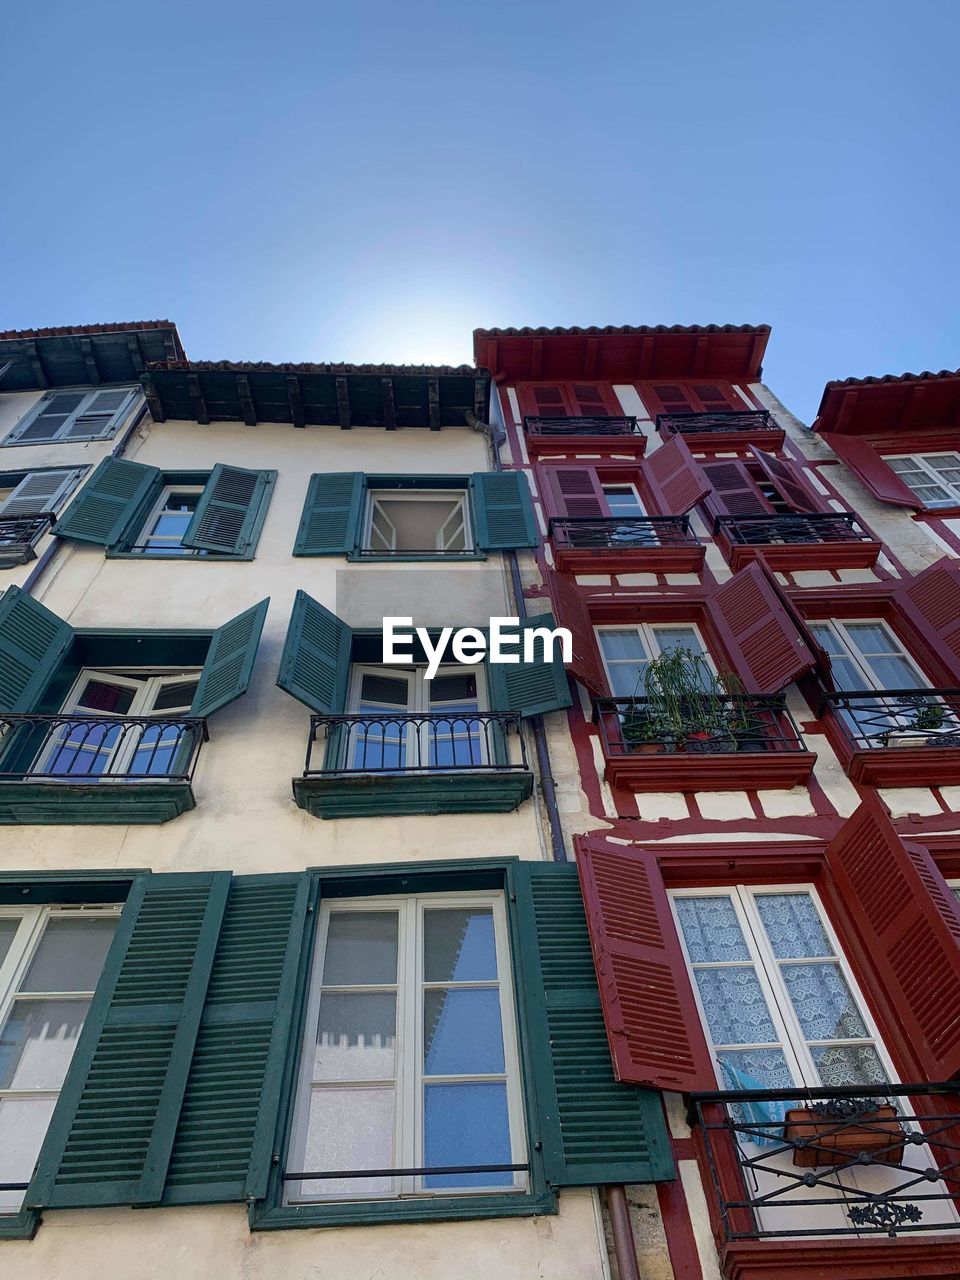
370, 181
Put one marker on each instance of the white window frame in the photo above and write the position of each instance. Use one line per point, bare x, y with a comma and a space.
647, 632
419, 702
640, 514
856, 654
458, 496
408, 1146
156, 511
924, 462
108, 430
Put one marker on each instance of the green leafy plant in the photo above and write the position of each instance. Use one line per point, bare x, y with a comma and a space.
683, 705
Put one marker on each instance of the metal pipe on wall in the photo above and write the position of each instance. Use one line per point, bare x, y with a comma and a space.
624, 1248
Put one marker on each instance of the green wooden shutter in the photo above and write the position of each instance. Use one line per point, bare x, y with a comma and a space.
330, 523
230, 510
503, 515
224, 1139
107, 507
529, 688
315, 664
594, 1131
112, 1133
230, 658
32, 642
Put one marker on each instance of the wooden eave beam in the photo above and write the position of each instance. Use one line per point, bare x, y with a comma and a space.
5, 369
136, 355
169, 346
536, 358
590, 358
389, 407
433, 403
298, 414
754, 368
480, 398
700, 355
912, 408
201, 413
847, 406
36, 364
152, 397
245, 396
646, 356
90, 360
343, 403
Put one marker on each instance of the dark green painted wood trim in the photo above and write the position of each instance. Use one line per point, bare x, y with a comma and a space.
46, 804
332, 513
374, 795
516, 1204
20, 1226
438, 557
35, 887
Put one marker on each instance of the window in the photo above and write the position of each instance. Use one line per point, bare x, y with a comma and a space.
417, 523
627, 651
74, 415
933, 477
168, 521
867, 655
30, 493
410, 1052
623, 500
448, 733
50, 961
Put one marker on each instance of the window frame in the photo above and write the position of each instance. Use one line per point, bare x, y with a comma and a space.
641, 514
920, 462
460, 497
856, 655
117, 418
647, 632
175, 550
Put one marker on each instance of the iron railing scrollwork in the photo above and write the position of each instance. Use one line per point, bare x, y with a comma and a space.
581, 426
897, 717
689, 424
73, 748
621, 533
408, 743
717, 725
798, 527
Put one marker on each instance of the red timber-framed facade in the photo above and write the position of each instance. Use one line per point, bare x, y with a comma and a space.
771, 903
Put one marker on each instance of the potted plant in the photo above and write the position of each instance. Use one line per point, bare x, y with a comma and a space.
839, 1130
685, 705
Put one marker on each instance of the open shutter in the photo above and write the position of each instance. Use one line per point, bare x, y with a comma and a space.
228, 511
653, 1025
909, 922
100, 414
49, 416
931, 602
767, 649
32, 643
503, 511
315, 664
39, 493
788, 479
865, 463
593, 1130
572, 491
734, 491
112, 1132
543, 402
230, 658
108, 505
674, 477
570, 609
224, 1139
330, 523
529, 688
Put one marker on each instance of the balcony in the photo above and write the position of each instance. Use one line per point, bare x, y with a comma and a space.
583, 435
375, 765
648, 544
801, 540
731, 430
747, 740
900, 737
82, 769
17, 537
849, 1181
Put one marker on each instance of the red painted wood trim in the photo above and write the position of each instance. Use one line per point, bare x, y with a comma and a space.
812, 555
677, 1227
728, 441
636, 560
676, 771
905, 766
568, 447
841, 1259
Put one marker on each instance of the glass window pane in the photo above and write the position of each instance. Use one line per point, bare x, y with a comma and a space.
70, 955
172, 697
356, 1036
735, 1006
99, 695
826, 637
750, 1069
348, 1129
23, 1124
626, 679
38, 1041
462, 1035
384, 690
618, 645
793, 925
848, 1064
459, 945
823, 1002
711, 929
8, 931
361, 949
454, 688
894, 673
466, 1124
670, 638
873, 637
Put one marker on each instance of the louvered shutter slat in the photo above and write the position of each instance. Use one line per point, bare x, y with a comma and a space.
570, 610
789, 480
879, 478
99, 415
230, 660
503, 511
33, 641
330, 523
53, 412
573, 491
529, 688
767, 648
228, 510
931, 601
108, 506
38, 493
733, 491
315, 664
590, 400
675, 478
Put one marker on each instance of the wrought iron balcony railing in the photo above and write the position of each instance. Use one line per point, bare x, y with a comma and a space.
621, 533
858, 1160
738, 722
73, 748
625, 426
17, 536
403, 743
689, 424
898, 717
784, 530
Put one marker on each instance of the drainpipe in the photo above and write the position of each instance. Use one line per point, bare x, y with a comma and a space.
548, 786
624, 1248
53, 546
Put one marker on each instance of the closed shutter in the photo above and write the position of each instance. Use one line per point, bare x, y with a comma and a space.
909, 922
503, 511
315, 664
330, 523
591, 401
112, 1132
865, 463
931, 602
229, 511
572, 491
716, 397
593, 1130
107, 508
39, 493
529, 688
674, 477
734, 491
570, 608
788, 480
653, 1025
767, 649
669, 397
230, 658
100, 415
224, 1137
543, 401
32, 644
48, 418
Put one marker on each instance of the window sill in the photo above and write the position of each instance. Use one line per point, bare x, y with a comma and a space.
30, 444
113, 554
438, 557
19, 1226
54, 803
372, 1212
841, 1259
372, 795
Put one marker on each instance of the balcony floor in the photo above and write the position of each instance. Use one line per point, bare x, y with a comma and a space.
709, 771
55, 803
787, 557
371, 795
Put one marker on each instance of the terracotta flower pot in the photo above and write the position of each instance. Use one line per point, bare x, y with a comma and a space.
840, 1140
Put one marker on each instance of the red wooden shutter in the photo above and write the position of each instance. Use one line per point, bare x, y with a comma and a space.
864, 461
671, 398
717, 397
653, 1026
788, 480
572, 491
591, 401
734, 491
542, 401
674, 477
767, 649
570, 611
909, 922
931, 602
